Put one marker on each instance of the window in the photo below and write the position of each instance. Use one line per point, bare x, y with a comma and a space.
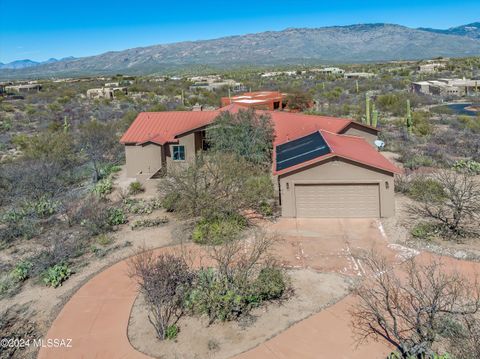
179, 153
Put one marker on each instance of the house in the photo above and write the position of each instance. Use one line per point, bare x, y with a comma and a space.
322, 166
329, 71
31, 87
430, 67
106, 92
358, 75
446, 87
260, 100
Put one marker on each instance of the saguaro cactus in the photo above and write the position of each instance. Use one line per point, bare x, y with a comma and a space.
367, 110
374, 116
409, 120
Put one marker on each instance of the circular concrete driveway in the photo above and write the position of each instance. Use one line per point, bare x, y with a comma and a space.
96, 317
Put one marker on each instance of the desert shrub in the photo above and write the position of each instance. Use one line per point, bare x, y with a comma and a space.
141, 206
135, 188
422, 187
217, 229
56, 275
216, 183
92, 214
149, 222
108, 169
172, 332
265, 209
61, 249
43, 207
104, 239
17, 224
21, 271
99, 142
414, 161
464, 339
449, 199
8, 286
103, 187
218, 299
236, 283
165, 282
469, 122
469, 166
258, 190
116, 216
424, 230
169, 201
270, 283
402, 183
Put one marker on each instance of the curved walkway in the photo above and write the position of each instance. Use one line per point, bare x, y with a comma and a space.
96, 317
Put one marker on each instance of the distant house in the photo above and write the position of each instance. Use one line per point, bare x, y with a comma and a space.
213, 83
447, 87
261, 100
106, 92
34, 87
329, 71
358, 75
430, 68
322, 166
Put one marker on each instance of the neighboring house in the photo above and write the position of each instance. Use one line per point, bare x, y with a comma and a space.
323, 166
447, 87
329, 71
430, 68
24, 88
358, 75
106, 92
260, 100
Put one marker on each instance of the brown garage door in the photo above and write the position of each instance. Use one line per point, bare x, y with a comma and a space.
337, 200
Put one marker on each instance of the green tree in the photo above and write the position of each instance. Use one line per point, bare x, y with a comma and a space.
247, 134
300, 101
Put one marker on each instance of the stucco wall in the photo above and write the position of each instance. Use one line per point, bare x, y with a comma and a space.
337, 171
369, 135
189, 142
143, 159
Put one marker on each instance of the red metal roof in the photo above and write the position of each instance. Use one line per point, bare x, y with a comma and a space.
352, 148
164, 127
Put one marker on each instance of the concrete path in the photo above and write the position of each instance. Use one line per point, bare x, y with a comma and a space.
96, 317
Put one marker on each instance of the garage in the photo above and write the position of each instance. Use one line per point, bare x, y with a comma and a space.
326, 175
337, 200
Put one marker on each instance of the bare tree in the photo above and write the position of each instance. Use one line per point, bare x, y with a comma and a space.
164, 281
99, 142
409, 312
454, 203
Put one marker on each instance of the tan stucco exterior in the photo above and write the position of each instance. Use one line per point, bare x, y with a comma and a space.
338, 171
187, 140
143, 159
368, 134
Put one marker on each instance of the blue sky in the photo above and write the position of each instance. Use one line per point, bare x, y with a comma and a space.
39, 30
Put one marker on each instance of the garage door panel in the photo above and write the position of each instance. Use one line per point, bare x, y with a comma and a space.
337, 200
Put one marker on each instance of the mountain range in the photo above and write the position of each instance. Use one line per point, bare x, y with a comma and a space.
335, 44
21, 64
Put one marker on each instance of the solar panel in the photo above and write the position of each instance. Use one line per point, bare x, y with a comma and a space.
301, 150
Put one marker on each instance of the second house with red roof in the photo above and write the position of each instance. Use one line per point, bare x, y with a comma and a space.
323, 166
